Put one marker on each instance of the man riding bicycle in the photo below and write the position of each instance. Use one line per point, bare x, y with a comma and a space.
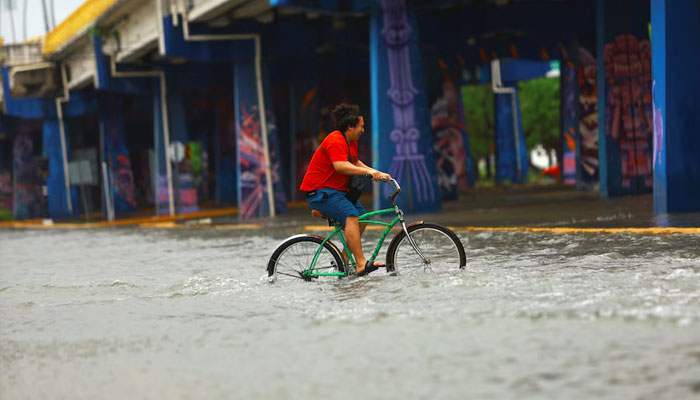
327, 178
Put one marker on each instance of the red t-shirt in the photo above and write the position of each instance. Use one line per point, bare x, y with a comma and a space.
321, 174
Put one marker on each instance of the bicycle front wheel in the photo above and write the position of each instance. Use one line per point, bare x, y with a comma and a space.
295, 255
442, 249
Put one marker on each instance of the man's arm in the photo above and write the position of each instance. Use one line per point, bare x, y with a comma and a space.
348, 168
382, 176
363, 165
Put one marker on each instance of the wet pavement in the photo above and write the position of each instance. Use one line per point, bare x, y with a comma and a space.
188, 313
530, 206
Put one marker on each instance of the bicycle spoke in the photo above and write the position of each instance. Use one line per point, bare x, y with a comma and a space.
297, 256
441, 252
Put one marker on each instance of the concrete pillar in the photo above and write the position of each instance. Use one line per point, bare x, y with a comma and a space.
116, 154
253, 187
160, 175
570, 155
55, 182
624, 98
675, 30
402, 140
604, 147
509, 153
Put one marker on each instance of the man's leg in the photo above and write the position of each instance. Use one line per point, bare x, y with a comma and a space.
353, 234
345, 250
352, 237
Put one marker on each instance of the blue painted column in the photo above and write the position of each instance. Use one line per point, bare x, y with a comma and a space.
162, 192
570, 170
183, 179
604, 147
506, 150
55, 182
402, 139
116, 154
675, 30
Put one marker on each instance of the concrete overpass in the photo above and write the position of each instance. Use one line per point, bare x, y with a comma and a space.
245, 86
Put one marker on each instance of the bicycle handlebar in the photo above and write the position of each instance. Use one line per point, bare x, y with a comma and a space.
397, 189
394, 184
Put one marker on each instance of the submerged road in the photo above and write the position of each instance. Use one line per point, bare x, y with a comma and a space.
188, 313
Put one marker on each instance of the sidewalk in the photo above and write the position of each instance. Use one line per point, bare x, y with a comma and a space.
551, 208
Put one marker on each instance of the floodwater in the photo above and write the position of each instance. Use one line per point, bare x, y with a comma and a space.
187, 314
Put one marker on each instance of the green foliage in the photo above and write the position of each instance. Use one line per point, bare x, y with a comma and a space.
478, 112
5, 215
539, 109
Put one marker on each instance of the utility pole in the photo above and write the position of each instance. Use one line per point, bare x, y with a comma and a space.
53, 15
46, 17
52, 9
24, 21
10, 6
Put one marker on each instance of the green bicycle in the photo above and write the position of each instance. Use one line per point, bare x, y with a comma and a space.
417, 247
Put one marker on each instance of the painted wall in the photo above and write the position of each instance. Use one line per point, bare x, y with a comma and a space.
588, 118
401, 117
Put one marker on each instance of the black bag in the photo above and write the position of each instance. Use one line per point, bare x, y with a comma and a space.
356, 186
357, 182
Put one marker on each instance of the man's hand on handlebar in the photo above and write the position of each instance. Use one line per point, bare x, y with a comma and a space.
380, 176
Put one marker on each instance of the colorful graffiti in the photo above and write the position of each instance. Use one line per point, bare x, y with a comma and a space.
122, 179
450, 142
588, 116
569, 121
629, 107
118, 161
408, 162
28, 199
252, 171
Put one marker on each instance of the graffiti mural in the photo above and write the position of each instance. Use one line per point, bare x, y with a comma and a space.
28, 199
629, 107
251, 165
123, 187
569, 123
117, 157
408, 163
588, 116
450, 142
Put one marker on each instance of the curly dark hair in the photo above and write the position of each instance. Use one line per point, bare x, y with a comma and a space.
345, 116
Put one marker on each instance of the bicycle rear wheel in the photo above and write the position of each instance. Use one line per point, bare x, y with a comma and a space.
443, 250
294, 255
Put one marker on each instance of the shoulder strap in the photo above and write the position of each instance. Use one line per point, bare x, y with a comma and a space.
346, 142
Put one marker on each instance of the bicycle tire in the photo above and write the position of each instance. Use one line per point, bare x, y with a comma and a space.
437, 242
295, 254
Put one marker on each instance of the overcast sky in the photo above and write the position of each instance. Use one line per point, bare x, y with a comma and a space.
35, 17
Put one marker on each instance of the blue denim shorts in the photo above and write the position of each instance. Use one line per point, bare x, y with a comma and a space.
334, 204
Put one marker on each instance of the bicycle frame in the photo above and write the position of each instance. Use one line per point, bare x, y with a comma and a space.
312, 271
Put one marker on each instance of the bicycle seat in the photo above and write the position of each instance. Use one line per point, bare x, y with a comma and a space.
316, 213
